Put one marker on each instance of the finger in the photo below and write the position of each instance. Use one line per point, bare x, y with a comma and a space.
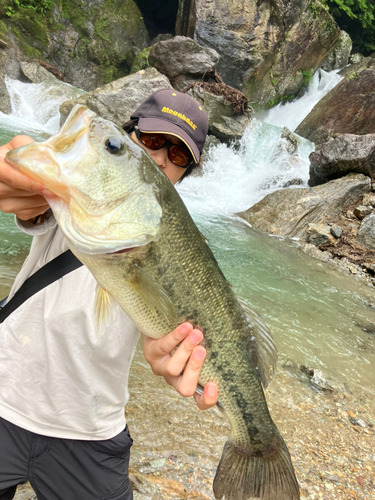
156, 349
187, 383
31, 214
16, 180
179, 358
209, 397
22, 205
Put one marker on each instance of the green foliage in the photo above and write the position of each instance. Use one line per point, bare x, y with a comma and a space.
353, 76
279, 99
307, 75
273, 81
357, 18
38, 6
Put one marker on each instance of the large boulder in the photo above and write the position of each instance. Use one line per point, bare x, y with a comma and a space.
117, 100
288, 212
9, 66
349, 108
222, 121
182, 60
336, 158
338, 57
366, 233
36, 73
91, 42
268, 50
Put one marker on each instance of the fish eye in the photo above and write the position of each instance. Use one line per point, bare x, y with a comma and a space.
113, 145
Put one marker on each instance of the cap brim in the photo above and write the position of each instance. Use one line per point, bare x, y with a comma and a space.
158, 125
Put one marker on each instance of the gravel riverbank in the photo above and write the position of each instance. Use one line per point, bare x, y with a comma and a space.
330, 434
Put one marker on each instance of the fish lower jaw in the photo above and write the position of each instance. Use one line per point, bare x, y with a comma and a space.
124, 250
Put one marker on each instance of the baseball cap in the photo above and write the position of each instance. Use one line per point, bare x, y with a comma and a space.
168, 111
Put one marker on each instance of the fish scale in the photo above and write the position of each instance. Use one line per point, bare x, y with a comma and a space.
151, 259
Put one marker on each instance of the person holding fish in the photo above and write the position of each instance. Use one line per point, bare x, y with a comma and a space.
63, 382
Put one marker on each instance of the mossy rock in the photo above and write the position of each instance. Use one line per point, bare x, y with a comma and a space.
30, 29
141, 60
3, 31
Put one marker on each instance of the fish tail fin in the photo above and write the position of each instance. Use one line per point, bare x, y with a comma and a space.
247, 475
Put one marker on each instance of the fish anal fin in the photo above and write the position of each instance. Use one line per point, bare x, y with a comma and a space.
262, 347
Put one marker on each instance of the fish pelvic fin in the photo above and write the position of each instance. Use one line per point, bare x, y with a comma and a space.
262, 347
248, 475
103, 306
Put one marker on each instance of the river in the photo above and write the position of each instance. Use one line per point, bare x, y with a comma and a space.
317, 313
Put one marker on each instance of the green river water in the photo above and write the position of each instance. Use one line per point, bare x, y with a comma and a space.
320, 316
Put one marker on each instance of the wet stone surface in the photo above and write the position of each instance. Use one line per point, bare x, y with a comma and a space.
330, 434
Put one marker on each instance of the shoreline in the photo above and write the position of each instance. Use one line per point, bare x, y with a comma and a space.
330, 435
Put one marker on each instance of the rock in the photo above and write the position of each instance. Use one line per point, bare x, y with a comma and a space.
320, 235
361, 211
141, 60
356, 58
9, 67
349, 108
91, 42
287, 212
154, 487
369, 200
321, 382
350, 214
182, 60
117, 100
338, 157
293, 141
336, 231
159, 462
221, 122
268, 50
36, 73
366, 233
317, 253
231, 128
338, 57
293, 182
214, 105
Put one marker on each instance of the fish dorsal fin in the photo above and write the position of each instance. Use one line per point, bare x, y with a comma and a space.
103, 308
262, 348
153, 295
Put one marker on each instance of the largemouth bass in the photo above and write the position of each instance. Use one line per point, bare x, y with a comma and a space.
125, 221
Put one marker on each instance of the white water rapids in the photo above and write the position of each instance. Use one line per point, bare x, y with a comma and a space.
318, 315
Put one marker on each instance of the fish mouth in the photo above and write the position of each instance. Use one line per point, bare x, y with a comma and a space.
37, 162
124, 250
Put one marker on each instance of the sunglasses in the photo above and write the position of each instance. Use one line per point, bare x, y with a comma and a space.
176, 153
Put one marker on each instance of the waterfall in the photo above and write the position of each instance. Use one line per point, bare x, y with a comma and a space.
235, 178
291, 114
35, 106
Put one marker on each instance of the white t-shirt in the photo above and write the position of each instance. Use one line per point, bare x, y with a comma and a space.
58, 376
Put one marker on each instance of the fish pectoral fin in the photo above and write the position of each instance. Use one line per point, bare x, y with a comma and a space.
103, 305
153, 295
262, 347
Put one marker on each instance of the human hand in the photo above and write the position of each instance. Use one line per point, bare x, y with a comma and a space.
20, 194
182, 368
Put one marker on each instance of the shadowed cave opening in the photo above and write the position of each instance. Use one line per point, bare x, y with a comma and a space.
159, 15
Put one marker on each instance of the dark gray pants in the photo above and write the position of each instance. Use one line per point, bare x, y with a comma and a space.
61, 469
